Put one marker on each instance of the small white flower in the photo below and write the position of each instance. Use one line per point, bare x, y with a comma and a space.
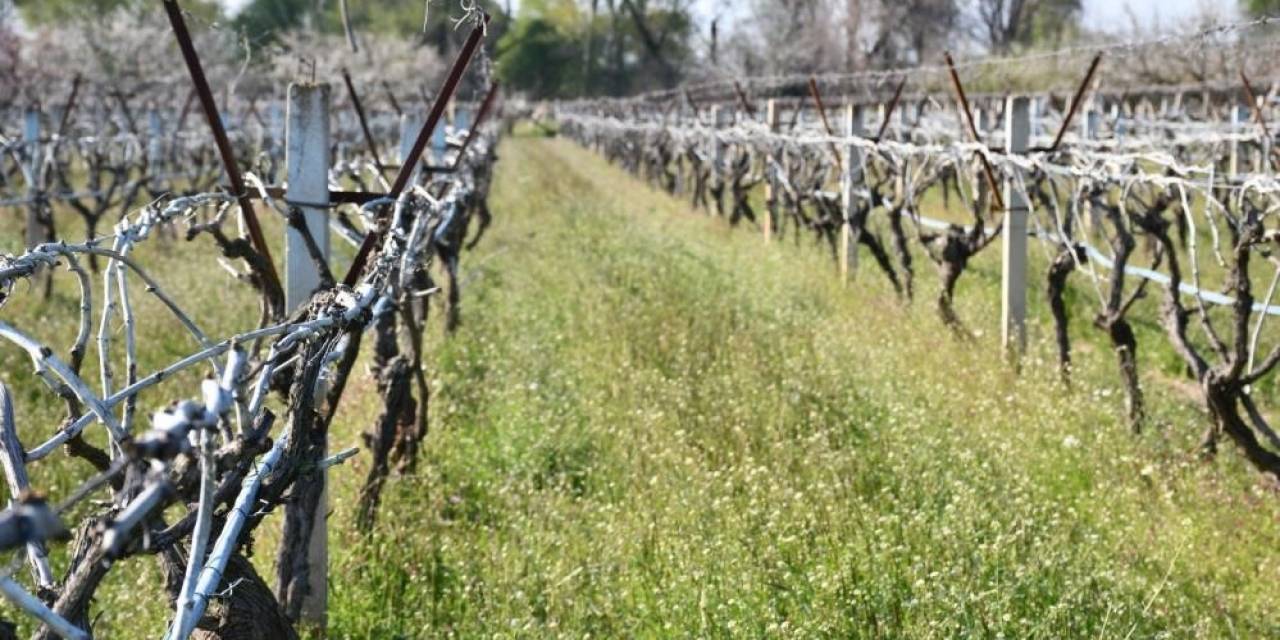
1071, 442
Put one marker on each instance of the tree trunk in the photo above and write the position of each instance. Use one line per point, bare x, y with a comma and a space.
244, 608
1059, 270
1126, 347
902, 248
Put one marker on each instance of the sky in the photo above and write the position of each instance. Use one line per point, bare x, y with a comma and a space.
1106, 15
1101, 15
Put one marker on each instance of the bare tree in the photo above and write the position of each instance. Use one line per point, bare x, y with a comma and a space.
1004, 23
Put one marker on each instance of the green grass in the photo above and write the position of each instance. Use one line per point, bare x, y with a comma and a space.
651, 425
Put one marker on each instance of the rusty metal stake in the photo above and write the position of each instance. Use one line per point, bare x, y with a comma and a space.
822, 113
415, 153
364, 124
391, 97
893, 106
1257, 115
485, 105
186, 109
71, 105
272, 286
692, 105
125, 111
742, 97
973, 133
253, 111
1075, 104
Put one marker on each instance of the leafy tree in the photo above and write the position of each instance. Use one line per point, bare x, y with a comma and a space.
1260, 8
264, 20
1005, 23
555, 48
538, 58
55, 12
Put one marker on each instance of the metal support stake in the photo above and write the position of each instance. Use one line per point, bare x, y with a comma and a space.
200, 84
364, 122
420, 143
474, 127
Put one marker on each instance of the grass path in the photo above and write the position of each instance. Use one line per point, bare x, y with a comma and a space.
652, 426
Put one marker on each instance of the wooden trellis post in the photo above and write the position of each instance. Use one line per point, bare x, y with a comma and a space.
770, 185
31, 138
307, 160
850, 179
1013, 283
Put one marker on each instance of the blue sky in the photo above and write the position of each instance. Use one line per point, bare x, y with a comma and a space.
1109, 15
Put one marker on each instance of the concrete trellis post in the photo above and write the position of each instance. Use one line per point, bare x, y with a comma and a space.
307, 161
155, 146
1265, 158
439, 145
275, 120
1037, 103
1117, 121
1013, 283
1233, 147
31, 138
1089, 122
1089, 119
1264, 152
849, 182
770, 185
461, 120
410, 123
